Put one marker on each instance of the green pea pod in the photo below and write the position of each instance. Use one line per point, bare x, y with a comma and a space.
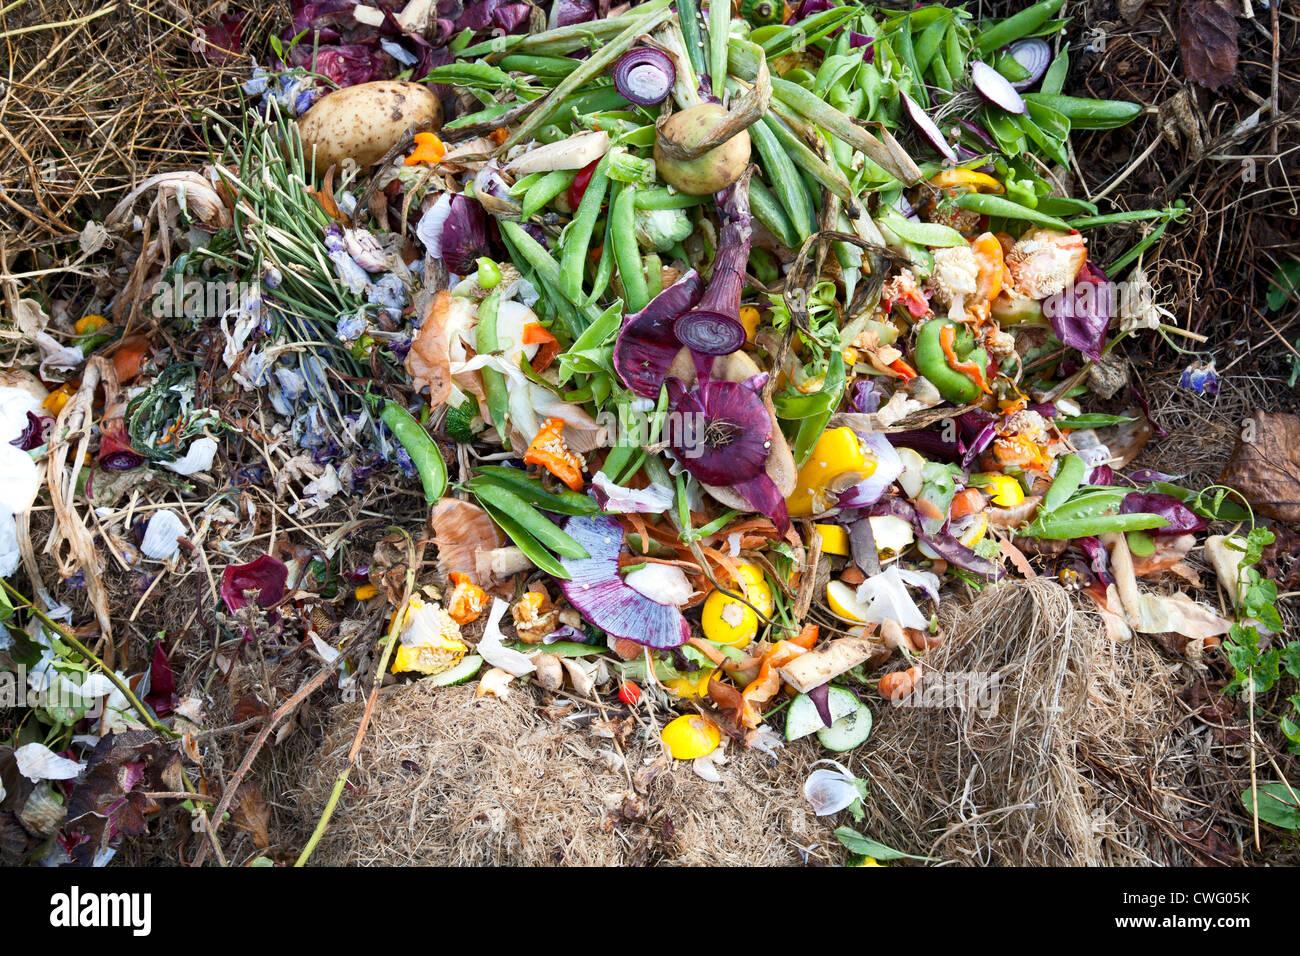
1021, 191
539, 65
931, 362
1058, 529
1090, 504
420, 446
530, 546
799, 406
1069, 474
665, 199
768, 210
1054, 79
1086, 113
543, 190
577, 236
494, 381
529, 488
530, 520
780, 171
927, 47
1017, 26
991, 205
622, 235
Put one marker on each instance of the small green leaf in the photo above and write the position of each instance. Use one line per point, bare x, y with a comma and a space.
1277, 805
1284, 285
855, 842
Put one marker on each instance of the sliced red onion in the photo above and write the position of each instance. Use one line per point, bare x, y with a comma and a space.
979, 134
646, 345
1035, 55
464, 237
958, 555
709, 333
605, 600
996, 88
862, 542
927, 128
764, 497
859, 41
644, 76
821, 698
713, 328
565, 13
116, 453
927, 442
662, 583
1098, 558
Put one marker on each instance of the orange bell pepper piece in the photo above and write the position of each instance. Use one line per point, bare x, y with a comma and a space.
947, 337
550, 452
993, 273
905, 371
428, 149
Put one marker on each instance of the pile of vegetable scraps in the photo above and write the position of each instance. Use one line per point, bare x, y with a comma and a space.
728, 342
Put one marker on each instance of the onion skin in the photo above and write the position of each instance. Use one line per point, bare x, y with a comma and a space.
715, 170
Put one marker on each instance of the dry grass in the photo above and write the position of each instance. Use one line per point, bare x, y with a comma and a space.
450, 780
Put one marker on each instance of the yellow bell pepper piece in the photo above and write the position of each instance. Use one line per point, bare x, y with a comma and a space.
688, 687
835, 540
749, 319
55, 401
365, 592
980, 182
1003, 490
691, 736
838, 460
725, 620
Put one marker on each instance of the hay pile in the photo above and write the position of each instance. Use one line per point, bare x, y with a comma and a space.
445, 779
1087, 759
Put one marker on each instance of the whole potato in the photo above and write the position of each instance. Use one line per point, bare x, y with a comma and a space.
363, 122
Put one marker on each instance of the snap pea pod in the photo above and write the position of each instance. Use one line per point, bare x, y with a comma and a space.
1091, 504
604, 268
663, 198
927, 47
543, 190
543, 263
1016, 26
807, 31
1086, 113
1054, 79
688, 16
495, 391
768, 210
991, 205
420, 446
577, 236
530, 519
809, 162
654, 275
1069, 473
530, 546
783, 176
719, 34
622, 236
1092, 222
1055, 528
552, 66
563, 502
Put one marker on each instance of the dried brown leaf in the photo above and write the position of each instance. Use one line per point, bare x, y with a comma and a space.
1265, 465
1207, 40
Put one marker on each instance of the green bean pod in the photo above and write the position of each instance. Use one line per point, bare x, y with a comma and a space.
1086, 113
991, 205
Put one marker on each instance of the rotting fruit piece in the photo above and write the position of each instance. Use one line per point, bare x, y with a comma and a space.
467, 601
691, 736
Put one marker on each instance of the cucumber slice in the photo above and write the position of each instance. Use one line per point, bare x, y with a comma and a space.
802, 718
466, 668
848, 731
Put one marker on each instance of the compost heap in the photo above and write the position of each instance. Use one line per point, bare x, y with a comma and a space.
732, 352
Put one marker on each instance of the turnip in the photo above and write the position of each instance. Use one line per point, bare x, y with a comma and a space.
710, 172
